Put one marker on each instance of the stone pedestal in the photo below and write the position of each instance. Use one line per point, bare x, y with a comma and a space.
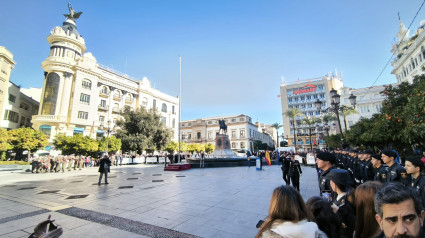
222, 147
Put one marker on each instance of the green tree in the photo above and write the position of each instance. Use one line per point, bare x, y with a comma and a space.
346, 111
209, 148
277, 126
196, 147
114, 144
27, 139
310, 121
333, 141
142, 130
404, 112
4, 141
76, 144
171, 147
293, 113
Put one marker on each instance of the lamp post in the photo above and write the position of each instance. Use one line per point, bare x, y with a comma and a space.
108, 131
335, 108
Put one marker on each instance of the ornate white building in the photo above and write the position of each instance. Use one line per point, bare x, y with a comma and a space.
242, 132
81, 96
409, 54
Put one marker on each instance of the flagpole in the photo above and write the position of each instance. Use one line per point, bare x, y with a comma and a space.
180, 108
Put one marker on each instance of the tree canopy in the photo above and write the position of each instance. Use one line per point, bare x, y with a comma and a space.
26, 139
142, 130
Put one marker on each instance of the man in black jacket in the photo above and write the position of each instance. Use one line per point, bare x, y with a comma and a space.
396, 172
285, 161
295, 172
104, 165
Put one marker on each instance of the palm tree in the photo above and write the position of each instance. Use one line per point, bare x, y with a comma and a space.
293, 113
310, 121
277, 126
346, 111
328, 118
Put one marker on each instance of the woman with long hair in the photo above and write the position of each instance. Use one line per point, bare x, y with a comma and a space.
366, 224
324, 216
288, 216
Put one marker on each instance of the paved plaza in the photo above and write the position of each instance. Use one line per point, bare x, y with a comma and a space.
143, 201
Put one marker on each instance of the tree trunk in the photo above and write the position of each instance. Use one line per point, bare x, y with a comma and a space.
345, 123
311, 145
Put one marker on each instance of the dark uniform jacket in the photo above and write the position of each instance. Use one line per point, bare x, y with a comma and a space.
324, 183
396, 173
347, 214
295, 168
368, 174
418, 185
285, 163
381, 173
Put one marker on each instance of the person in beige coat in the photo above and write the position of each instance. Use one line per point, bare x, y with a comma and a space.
288, 217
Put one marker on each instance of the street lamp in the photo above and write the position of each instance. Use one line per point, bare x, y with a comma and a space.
108, 130
336, 108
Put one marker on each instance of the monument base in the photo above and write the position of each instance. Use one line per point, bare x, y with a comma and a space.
222, 147
177, 167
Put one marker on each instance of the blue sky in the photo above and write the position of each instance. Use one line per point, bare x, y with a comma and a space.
234, 52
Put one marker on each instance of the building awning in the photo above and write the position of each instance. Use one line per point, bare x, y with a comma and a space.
45, 127
78, 130
100, 131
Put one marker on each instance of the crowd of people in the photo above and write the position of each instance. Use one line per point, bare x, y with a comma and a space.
62, 163
362, 195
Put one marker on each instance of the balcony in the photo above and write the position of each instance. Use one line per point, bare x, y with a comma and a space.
49, 118
103, 107
116, 110
128, 101
117, 97
104, 94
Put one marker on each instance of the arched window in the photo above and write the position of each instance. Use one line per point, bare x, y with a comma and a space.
423, 52
104, 90
413, 63
50, 94
164, 107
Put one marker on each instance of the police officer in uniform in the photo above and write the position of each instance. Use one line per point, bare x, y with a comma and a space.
368, 168
379, 168
295, 172
396, 172
414, 166
285, 161
341, 183
325, 162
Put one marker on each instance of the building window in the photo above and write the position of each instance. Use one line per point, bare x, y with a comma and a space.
173, 108
86, 84
164, 120
233, 120
164, 107
104, 90
209, 135
242, 134
289, 99
83, 115
102, 103
198, 135
12, 98
189, 136
242, 145
24, 106
308, 97
11, 116
242, 119
233, 144
145, 102
85, 98
233, 134
154, 103
101, 118
320, 87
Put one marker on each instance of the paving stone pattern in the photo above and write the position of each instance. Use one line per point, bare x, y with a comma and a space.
211, 203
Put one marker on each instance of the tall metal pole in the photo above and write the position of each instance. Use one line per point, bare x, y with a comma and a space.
180, 104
